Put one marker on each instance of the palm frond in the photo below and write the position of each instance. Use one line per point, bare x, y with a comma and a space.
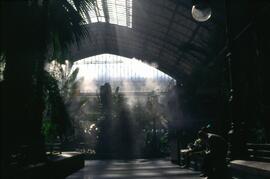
70, 82
83, 5
73, 76
55, 104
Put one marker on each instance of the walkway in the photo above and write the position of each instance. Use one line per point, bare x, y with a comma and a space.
139, 169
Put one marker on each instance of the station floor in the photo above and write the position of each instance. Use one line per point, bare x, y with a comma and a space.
139, 169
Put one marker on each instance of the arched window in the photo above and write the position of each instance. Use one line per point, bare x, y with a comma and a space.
131, 75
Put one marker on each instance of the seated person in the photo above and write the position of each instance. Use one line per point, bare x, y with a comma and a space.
195, 149
214, 165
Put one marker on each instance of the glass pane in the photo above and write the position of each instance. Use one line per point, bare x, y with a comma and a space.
119, 12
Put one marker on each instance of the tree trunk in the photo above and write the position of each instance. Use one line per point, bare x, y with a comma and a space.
22, 108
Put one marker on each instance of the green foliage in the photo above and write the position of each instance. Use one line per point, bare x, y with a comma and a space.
2, 67
67, 81
156, 144
113, 128
49, 130
126, 130
54, 23
55, 108
32, 32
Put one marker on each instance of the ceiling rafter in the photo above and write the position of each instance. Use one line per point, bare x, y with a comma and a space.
162, 31
182, 52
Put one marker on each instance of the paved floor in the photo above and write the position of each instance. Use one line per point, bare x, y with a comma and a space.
140, 169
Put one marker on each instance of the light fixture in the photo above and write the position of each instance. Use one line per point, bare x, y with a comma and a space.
201, 10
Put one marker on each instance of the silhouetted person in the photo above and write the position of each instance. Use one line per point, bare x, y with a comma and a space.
214, 165
194, 149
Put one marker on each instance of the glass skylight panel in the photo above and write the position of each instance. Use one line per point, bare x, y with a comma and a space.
117, 11
96, 13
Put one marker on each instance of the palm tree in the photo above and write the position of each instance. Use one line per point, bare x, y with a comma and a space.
32, 32
62, 87
55, 113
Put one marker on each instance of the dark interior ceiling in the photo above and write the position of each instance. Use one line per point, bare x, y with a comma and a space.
164, 32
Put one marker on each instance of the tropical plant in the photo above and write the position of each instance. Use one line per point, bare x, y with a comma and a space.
49, 130
66, 86
55, 112
32, 32
66, 79
104, 122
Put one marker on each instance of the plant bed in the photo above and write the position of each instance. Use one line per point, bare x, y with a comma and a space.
57, 166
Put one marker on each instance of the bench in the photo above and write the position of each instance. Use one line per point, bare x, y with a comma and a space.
55, 147
57, 167
256, 166
196, 159
259, 152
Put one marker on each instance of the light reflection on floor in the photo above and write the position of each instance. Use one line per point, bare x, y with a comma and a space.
141, 168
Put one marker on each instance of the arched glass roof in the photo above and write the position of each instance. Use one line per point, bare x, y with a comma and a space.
163, 31
112, 11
